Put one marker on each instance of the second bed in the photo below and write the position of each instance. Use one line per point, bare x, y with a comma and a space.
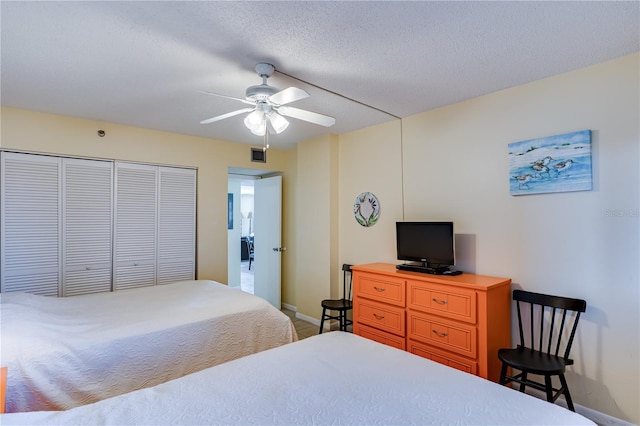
70, 351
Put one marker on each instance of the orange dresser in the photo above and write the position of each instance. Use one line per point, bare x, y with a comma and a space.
3, 388
460, 321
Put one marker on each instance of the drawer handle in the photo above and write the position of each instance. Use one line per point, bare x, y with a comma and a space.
440, 302
380, 289
378, 316
440, 334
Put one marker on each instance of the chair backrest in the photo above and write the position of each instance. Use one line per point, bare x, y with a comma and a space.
346, 273
555, 315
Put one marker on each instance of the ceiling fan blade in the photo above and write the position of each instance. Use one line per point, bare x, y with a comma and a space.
312, 117
288, 95
227, 115
227, 97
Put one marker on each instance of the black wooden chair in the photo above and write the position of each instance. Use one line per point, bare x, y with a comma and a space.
545, 350
251, 254
341, 306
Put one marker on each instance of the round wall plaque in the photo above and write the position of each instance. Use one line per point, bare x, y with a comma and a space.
366, 209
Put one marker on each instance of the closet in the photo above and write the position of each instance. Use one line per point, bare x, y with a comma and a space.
76, 226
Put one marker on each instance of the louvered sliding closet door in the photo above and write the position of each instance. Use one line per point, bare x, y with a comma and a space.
30, 242
87, 226
177, 224
136, 226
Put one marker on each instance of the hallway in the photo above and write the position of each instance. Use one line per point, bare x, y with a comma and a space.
246, 276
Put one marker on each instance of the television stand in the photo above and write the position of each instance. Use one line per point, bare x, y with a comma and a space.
426, 269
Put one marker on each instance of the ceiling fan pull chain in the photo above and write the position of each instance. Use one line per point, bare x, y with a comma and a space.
266, 140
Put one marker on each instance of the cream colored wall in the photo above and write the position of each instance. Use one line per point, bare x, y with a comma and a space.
580, 244
47, 133
289, 229
370, 161
316, 230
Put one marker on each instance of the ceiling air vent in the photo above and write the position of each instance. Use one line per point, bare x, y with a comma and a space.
258, 155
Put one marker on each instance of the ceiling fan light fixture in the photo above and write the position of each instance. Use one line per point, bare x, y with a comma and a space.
260, 130
255, 121
278, 122
270, 106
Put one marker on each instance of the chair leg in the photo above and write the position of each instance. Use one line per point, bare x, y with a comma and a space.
523, 377
322, 320
548, 388
503, 373
567, 395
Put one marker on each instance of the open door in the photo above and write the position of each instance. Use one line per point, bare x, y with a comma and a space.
268, 239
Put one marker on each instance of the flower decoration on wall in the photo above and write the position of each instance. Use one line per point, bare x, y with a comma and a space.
366, 209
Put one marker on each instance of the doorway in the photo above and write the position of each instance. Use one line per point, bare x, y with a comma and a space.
254, 237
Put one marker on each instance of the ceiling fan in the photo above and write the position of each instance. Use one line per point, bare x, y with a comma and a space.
268, 106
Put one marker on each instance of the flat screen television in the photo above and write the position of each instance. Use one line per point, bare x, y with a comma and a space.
429, 243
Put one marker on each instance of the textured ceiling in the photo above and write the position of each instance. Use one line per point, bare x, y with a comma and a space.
143, 63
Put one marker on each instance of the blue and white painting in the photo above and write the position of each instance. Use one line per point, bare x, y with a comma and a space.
560, 163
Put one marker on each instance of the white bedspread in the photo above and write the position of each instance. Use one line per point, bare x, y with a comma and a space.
66, 352
333, 378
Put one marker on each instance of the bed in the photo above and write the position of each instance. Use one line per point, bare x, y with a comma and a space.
331, 378
70, 351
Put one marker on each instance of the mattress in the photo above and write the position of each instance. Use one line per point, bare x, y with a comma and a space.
70, 351
332, 378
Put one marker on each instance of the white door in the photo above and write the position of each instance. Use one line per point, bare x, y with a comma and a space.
267, 228
136, 226
31, 236
176, 258
87, 226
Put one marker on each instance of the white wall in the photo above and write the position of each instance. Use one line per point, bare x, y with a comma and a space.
581, 244
246, 206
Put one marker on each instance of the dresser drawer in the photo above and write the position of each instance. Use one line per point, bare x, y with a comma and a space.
443, 357
378, 315
384, 289
379, 336
439, 332
456, 303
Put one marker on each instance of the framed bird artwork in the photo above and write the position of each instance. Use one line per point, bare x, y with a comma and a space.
560, 163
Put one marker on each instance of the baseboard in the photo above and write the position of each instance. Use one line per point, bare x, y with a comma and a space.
600, 418
593, 415
289, 307
327, 324
307, 318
